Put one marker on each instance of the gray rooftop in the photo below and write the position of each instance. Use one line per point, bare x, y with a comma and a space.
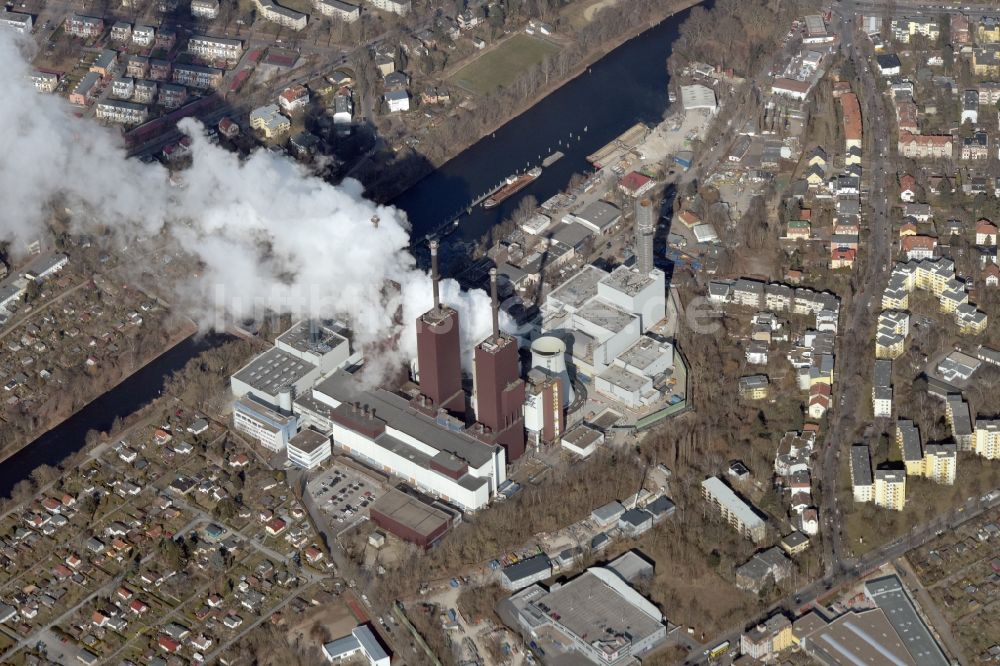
601, 214
883, 373
636, 517
571, 235
891, 598
312, 336
866, 637
598, 604
631, 565
580, 288
861, 465
627, 281
396, 412
606, 315
910, 436
725, 496
369, 643
609, 511
623, 379
308, 440
582, 436
528, 568
644, 353
273, 370
960, 415
341, 646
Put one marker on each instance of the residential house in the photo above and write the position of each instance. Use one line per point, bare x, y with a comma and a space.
205, 9
770, 565
83, 26
143, 36
397, 100
293, 97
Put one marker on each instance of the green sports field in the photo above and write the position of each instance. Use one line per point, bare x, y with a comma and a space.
499, 67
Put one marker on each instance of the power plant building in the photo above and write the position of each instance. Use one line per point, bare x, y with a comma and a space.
600, 315
308, 449
439, 363
389, 432
499, 389
269, 427
544, 417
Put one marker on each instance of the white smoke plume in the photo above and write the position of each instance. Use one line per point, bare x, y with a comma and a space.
270, 236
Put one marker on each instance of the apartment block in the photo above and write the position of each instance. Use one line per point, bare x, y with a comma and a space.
882, 389
940, 462
908, 441
890, 489
862, 482
734, 510
986, 438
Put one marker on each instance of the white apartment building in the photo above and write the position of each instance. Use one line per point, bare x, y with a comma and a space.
124, 113
986, 438
401, 7
215, 48
207, 9
338, 9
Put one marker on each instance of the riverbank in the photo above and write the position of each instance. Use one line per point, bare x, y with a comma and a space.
387, 191
57, 419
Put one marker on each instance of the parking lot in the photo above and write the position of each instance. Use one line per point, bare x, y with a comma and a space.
344, 495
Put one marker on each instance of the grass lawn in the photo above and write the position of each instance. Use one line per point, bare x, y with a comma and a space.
499, 67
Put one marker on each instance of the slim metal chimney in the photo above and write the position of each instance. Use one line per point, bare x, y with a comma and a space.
496, 306
434, 274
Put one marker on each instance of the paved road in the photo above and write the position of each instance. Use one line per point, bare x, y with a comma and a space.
809, 595
854, 354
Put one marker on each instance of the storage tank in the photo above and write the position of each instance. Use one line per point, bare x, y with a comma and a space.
549, 353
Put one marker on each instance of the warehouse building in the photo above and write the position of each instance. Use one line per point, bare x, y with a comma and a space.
409, 519
888, 595
595, 618
526, 572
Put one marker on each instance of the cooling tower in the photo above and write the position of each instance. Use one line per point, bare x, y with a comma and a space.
549, 353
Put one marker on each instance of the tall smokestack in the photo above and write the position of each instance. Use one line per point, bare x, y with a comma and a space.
375, 221
434, 274
496, 305
645, 230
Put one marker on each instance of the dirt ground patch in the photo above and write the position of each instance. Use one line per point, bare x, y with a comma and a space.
580, 14
335, 617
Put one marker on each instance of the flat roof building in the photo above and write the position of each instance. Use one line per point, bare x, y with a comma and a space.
595, 618
598, 216
267, 375
409, 519
308, 449
889, 595
360, 641
526, 572
734, 510
384, 430
865, 637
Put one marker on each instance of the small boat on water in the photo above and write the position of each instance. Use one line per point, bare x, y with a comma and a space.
511, 186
